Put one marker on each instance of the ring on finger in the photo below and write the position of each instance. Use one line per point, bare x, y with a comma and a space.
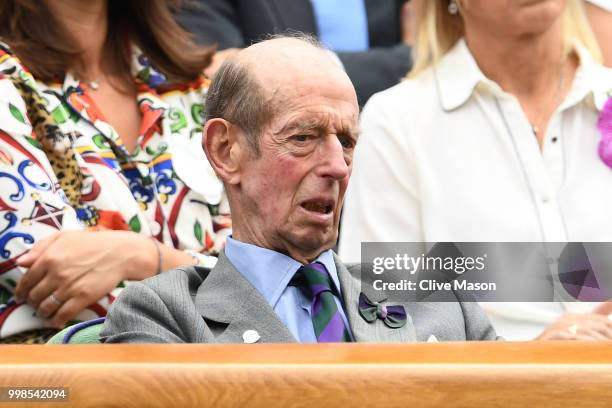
55, 300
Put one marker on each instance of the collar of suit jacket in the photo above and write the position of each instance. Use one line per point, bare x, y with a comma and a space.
226, 297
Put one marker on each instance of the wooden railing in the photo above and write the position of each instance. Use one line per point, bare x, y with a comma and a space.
495, 374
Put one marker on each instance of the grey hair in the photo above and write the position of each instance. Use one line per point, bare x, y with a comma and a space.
237, 96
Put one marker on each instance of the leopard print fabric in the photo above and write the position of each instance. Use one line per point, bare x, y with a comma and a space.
56, 145
37, 336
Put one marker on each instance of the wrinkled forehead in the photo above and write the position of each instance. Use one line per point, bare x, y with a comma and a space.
296, 77
328, 91
315, 104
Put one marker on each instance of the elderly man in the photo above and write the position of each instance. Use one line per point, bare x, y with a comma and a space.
280, 133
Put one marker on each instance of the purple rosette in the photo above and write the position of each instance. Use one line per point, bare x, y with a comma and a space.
605, 127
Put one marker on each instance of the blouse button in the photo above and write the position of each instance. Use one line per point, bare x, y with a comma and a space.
545, 199
554, 139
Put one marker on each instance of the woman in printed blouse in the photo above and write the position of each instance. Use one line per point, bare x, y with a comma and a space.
493, 138
102, 177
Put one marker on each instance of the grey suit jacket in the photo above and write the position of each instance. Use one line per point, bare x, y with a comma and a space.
197, 305
239, 23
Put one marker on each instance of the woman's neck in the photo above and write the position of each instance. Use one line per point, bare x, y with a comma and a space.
86, 22
535, 69
523, 66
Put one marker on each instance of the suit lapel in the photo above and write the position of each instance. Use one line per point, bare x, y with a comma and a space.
296, 15
363, 331
226, 297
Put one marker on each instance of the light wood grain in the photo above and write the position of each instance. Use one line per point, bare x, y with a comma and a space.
496, 374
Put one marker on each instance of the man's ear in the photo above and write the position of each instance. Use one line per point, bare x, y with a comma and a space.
223, 147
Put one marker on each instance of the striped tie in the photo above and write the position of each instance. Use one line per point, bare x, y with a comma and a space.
315, 283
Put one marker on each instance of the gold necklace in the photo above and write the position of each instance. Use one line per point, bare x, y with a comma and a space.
554, 101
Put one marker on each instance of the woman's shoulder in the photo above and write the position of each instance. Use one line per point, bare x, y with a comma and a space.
185, 93
9, 62
12, 70
404, 103
408, 96
14, 79
601, 80
147, 73
5, 49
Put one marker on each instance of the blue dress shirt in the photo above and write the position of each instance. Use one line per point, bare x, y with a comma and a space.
270, 272
342, 24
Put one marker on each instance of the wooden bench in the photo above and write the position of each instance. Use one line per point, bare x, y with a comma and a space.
495, 374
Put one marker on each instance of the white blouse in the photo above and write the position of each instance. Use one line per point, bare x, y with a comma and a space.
450, 156
604, 4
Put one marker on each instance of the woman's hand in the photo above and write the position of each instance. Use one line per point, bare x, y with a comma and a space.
69, 271
596, 325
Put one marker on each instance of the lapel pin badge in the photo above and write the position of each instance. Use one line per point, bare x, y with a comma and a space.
393, 316
250, 337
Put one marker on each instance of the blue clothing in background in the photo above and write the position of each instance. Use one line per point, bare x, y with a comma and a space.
342, 24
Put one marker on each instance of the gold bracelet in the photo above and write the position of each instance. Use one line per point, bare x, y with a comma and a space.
160, 256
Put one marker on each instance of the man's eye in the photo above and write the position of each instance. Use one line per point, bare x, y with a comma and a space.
346, 142
301, 138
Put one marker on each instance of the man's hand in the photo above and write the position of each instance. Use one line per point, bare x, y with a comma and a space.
218, 59
591, 326
69, 271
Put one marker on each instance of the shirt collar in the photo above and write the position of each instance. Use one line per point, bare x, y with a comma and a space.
152, 107
145, 75
269, 271
71, 83
145, 72
457, 74
593, 81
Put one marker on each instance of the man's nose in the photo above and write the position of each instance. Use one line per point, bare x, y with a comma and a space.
333, 159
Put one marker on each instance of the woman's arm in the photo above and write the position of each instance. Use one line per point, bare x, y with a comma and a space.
80, 267
77, 267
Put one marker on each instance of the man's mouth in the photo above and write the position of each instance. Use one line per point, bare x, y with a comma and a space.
321, 206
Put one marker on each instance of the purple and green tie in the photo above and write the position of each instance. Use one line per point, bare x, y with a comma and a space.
316, 284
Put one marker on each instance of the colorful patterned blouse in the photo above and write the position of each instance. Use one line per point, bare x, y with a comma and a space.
79, 175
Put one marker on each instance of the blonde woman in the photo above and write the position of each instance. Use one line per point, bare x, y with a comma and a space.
492, 138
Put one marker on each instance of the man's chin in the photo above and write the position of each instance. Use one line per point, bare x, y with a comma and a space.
310, 246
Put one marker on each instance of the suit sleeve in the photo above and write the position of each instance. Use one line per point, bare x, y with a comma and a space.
477, 324
213, 22
139, 315
376, 69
